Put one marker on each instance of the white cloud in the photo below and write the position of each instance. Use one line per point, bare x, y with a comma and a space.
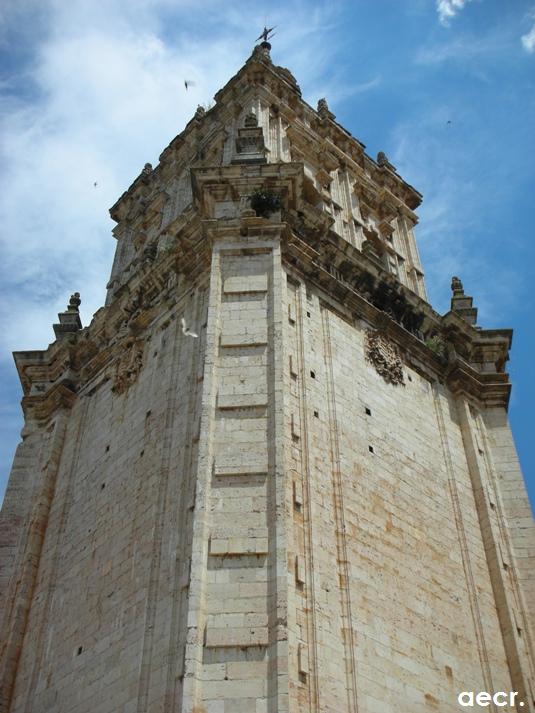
447, 9
97, 90
104, 94
466, 48
528, 40
336, 90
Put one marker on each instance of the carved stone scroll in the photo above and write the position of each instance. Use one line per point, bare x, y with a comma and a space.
384, 356
129, 366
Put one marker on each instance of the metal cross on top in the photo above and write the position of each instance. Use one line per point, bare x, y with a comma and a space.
266, 34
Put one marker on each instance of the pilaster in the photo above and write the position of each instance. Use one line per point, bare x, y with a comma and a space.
501, 562
236, 647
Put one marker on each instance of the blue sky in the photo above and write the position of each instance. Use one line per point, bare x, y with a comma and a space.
89, 92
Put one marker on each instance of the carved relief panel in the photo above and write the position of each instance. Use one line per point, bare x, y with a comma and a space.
384, 356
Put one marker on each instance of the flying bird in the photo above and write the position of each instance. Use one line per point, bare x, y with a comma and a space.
95, 184
186, 330
188, 83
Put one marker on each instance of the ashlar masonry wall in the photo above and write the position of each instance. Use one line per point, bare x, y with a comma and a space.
106, 629
259, 521
394, 600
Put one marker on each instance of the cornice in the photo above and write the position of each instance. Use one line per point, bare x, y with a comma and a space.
443, 347
41, 408
52, 378
446, 347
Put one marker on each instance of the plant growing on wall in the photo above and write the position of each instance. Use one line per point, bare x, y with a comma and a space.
265, 202
436, 344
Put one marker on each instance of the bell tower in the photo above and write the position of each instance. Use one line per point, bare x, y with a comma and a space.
268, 477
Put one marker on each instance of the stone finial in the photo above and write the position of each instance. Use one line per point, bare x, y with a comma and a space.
251, 120
323, 107
457, 286
382, 158
262, 50
199, 112
147, 169
74, 302
383, 162
69, 321
323, 110
462, 304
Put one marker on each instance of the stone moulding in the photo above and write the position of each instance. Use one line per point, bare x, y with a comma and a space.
384, 356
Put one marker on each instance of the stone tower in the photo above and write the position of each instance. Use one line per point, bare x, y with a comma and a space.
268, 477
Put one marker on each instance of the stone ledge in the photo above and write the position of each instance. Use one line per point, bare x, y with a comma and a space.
221, 547
244, 340
241, 470
229, 638
241, 284
233, 401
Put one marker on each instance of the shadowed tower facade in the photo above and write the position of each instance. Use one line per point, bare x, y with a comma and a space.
268, 476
